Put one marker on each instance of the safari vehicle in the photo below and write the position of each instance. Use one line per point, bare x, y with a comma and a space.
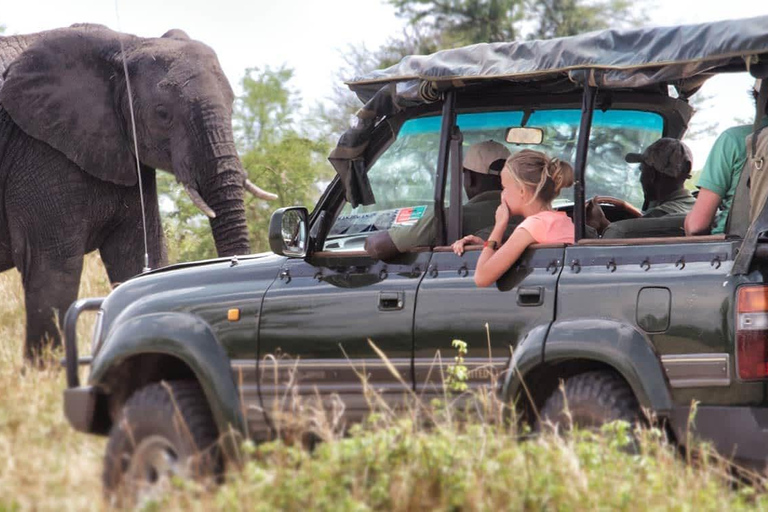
630, 325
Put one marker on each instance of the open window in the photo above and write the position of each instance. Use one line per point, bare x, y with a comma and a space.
403, 182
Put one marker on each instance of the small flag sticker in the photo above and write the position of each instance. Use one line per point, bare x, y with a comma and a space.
409, 216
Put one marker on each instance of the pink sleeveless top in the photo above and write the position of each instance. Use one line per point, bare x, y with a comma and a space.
549, 227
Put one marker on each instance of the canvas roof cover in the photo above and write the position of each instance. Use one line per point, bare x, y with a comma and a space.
684, 56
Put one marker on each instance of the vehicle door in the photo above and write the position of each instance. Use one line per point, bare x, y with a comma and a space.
490, 320
495, 319
322, 315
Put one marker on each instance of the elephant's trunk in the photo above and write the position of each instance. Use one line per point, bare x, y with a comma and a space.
223, 193
217, 179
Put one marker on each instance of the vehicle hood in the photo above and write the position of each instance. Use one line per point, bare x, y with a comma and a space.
180, 287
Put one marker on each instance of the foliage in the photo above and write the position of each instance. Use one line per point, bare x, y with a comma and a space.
277, 157
559, 18
295, 169
457, 374
465, 21
187, 231
265, 110
388, 463
434, 25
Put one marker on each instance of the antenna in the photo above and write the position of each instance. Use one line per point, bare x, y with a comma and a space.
135, 143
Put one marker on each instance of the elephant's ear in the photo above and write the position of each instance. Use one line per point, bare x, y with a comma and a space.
62, 90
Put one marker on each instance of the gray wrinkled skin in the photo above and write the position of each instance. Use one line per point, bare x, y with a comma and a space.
68, 178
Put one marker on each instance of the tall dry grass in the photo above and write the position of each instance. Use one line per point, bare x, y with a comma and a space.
427, 457
44, 463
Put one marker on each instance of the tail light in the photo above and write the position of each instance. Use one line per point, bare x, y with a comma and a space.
752, 332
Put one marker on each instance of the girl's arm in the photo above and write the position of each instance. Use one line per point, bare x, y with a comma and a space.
492, 264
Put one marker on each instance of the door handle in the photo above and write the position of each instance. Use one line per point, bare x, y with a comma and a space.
530, 296
391, 301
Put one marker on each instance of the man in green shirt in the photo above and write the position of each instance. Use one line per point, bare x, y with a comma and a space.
483, 163
718, 180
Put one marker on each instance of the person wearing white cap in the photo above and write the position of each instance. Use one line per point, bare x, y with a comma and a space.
483, 163
719, 178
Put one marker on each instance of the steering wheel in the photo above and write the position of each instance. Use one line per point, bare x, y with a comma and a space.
620, 204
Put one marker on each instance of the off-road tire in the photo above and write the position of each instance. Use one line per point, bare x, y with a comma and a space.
592, 399
183, 421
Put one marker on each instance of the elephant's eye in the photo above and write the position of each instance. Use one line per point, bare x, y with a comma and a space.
162, 113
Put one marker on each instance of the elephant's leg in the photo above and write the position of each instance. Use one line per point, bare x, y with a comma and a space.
122, 249
50, 287
6, 255
6, 258
46, 201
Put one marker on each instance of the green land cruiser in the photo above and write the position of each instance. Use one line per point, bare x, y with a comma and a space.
648, 323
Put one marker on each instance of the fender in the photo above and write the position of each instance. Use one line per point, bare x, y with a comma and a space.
616, 344
187, 338
528, 354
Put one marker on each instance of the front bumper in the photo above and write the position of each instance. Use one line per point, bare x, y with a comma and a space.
737, 433
70, 336
80, 408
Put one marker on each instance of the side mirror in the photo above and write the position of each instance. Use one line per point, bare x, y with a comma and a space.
288, 231
525, 135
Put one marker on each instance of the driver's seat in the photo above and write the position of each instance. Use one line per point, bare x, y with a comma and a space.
656, 227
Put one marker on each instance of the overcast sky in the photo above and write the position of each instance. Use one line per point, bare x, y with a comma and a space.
310, 35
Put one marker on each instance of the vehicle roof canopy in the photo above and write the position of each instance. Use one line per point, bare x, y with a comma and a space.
684, 56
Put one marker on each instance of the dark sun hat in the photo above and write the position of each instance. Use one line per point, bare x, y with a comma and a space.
666, 156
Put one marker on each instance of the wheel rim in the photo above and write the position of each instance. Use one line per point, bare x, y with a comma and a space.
153, 464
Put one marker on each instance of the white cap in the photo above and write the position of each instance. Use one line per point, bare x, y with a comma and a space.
480, 156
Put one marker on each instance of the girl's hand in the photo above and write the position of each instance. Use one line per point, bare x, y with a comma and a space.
458, 245
502, 215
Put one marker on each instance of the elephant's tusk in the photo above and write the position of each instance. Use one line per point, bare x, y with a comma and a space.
258, 192
194, 195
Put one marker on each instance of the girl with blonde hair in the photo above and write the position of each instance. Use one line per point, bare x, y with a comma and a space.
531, 181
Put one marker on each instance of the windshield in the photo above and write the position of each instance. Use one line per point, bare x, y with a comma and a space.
614, 134
402, 179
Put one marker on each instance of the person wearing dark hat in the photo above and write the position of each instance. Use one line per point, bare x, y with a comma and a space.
720, 177
664, 167
483, 163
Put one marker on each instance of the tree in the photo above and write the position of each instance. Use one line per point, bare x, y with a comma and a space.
275, 154
434, 25
465, 22
560, 18
335, 115
266, 106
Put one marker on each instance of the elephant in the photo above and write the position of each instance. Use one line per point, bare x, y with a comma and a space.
79, 147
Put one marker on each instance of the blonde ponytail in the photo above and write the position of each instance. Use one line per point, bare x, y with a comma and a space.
545, 177
561, 174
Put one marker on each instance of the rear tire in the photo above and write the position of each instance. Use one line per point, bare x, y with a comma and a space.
159, 435
592, 399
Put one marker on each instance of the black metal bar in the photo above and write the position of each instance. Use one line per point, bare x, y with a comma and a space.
446, 133
582, 148
70, 336
454, 211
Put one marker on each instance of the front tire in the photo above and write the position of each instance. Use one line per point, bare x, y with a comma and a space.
591, 399
164, 430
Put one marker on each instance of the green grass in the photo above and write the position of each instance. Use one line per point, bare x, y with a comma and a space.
391, 463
